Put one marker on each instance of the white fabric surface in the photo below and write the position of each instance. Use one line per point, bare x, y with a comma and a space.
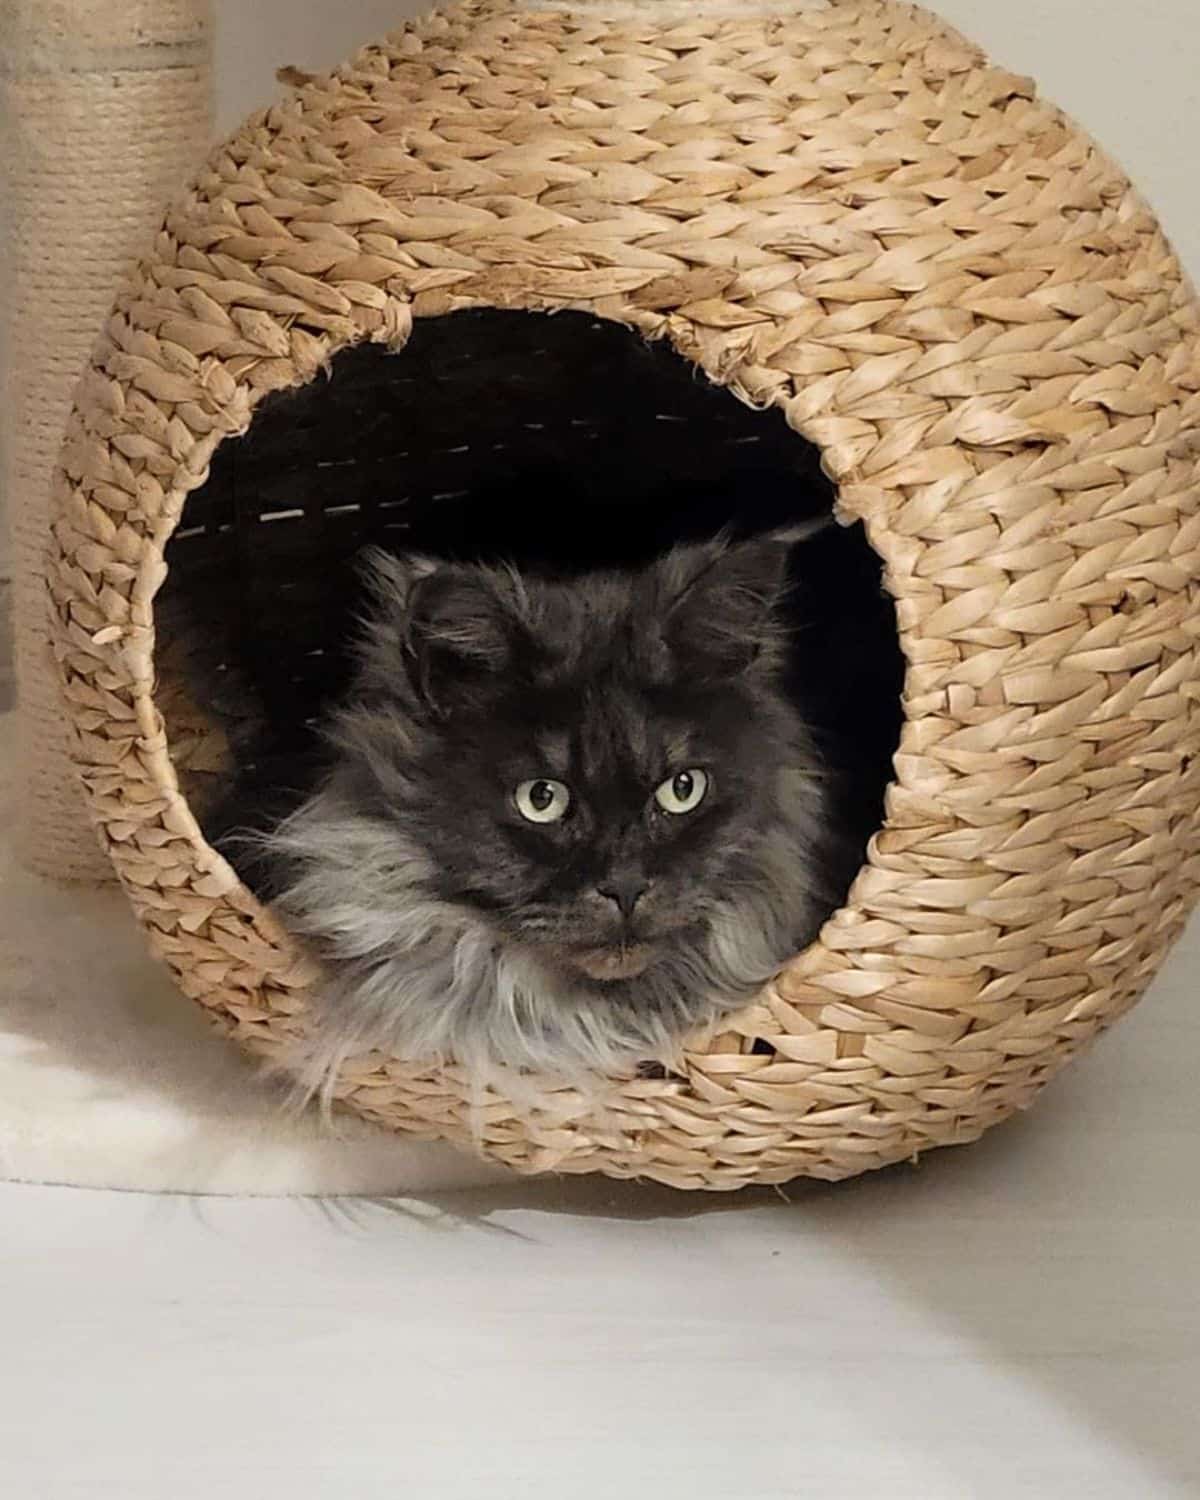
110, 1078
1014, 1320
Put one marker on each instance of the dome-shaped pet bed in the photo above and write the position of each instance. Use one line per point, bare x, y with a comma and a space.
884, 247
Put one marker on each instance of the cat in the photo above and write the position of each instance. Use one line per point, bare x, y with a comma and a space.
563, 822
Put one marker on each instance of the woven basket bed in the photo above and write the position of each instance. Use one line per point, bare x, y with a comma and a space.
868, 243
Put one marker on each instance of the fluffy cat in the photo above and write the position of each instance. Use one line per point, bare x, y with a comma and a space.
563, 822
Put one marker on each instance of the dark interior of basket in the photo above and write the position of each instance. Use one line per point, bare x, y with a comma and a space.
555, 442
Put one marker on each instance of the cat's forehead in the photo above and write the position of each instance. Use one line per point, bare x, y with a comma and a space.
610, 730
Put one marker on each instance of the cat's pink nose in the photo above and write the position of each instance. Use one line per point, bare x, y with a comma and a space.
625, 890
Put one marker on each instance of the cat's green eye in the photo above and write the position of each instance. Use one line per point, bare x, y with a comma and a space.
683, 792
542, 801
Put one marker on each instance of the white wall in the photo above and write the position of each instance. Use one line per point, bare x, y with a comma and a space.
254, 37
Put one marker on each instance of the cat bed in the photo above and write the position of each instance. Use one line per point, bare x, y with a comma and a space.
866, 242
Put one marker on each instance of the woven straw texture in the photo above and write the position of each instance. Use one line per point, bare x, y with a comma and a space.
104, 110
839, 209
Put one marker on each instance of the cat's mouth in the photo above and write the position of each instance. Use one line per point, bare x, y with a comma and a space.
612, 963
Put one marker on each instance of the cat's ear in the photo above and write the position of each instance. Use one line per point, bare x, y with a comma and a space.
388, 582
721, 603
462, 628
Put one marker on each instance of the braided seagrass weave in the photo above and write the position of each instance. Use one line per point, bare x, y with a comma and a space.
835, 209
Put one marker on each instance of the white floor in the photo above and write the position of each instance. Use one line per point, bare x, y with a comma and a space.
1016, 1319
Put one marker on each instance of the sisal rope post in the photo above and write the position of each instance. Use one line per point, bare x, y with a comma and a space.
105, 106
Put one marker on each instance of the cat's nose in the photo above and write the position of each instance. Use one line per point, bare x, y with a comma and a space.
625, 890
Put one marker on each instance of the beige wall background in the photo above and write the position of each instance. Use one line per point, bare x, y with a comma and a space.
1129, 72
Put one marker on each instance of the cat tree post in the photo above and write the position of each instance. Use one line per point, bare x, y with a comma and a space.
105, 105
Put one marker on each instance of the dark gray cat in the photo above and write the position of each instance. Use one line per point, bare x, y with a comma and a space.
565, 821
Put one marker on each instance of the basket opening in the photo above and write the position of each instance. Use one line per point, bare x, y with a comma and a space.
561, 441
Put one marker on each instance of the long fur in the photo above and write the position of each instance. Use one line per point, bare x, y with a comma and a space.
436, 923
411, 974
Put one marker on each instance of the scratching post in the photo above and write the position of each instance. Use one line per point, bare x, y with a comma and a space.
105, 106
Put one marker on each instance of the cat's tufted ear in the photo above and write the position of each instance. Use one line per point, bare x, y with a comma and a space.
454, 629
720, 604
389, 579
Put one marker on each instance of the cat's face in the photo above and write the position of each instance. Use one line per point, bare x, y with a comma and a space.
589, 763
598, 825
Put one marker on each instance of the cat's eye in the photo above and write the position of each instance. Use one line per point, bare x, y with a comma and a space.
683, 792
542, 801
